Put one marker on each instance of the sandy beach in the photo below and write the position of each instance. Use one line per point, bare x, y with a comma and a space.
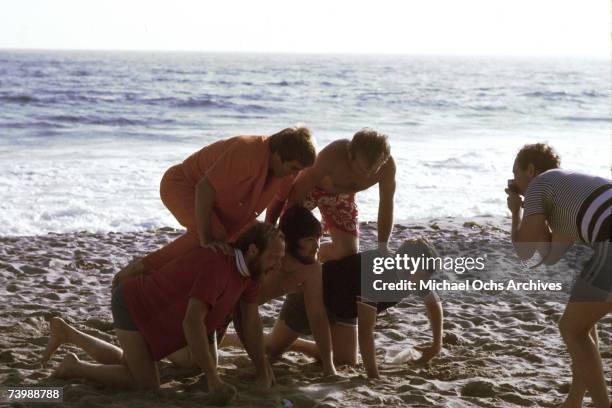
501, 348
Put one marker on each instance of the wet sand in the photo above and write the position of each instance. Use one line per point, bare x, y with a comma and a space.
500, 349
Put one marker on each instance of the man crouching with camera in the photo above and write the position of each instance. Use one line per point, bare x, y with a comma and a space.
561, 208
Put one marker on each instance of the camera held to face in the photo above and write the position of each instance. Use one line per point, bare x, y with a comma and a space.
513, 187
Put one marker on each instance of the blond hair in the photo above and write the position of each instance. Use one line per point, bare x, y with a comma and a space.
372, 145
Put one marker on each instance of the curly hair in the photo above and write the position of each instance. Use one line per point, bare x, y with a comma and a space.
541, 155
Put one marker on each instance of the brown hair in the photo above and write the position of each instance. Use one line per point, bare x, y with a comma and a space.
373, 145
541, 155
259, 234
294, 143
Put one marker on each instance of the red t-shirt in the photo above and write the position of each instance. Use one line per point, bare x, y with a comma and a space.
157, 302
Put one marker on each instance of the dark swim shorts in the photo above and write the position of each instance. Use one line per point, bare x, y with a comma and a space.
293, 313
122, 319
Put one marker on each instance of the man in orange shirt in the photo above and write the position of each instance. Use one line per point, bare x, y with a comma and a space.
220, 190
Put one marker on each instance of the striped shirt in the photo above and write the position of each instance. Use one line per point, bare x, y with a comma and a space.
575, 204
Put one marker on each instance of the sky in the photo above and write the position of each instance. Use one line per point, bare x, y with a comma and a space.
472, 27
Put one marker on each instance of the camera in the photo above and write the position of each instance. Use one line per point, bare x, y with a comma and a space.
513, 187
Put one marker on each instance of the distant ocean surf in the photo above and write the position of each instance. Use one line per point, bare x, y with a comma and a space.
86, 136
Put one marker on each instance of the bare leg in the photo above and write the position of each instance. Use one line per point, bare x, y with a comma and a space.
307, 347
344, 343
578, 389
576, 323
61, 333
113, 375
280, 339
182, 358
137, 369
343, 244
231, 340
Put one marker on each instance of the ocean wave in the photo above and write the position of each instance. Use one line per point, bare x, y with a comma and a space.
21, 99
556, 95
66, 96
198, 103
211, 103
596, 94
488, 108
451, 163
108, 121
585, 119
548, 94
33, 125
81, 73
287, 83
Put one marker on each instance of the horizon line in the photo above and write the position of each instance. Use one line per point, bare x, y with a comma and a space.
321, 53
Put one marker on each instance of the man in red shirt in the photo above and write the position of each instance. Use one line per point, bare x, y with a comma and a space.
181, 304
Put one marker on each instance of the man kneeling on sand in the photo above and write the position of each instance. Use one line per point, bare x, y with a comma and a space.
301, 273
353, 317
332, 289
181, 304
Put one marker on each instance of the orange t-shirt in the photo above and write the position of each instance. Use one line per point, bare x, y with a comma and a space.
238, 169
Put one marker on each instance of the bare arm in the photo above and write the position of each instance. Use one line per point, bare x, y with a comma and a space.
366, 317
529, 234
205, 195
386, 192
435, 316
310, 177
274, 210
559, 244
317, 317
195, 334
253, 341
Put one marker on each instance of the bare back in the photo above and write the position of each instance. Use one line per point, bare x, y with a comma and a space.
287, 279
339, 177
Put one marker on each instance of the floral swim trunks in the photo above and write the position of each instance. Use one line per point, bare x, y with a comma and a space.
337, 210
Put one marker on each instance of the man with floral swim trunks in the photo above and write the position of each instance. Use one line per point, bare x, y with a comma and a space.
341, 169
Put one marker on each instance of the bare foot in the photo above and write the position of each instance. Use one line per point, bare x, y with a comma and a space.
67, 366
58, 335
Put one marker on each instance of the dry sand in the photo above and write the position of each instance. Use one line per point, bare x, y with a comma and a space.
501, 349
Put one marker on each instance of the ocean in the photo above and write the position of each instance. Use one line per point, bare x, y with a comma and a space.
85, 137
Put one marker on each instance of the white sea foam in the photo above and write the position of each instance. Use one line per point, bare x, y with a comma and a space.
87, 152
